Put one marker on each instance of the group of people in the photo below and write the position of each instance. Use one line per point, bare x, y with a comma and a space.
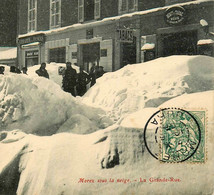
13, 69
72, 82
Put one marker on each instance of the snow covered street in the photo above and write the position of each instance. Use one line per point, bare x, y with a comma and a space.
53, 143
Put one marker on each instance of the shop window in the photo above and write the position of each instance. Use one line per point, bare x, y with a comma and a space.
88, 10
32, 4
55, 13
126, 6
58, 55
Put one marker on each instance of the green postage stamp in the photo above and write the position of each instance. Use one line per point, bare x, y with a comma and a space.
175, 135
183, 136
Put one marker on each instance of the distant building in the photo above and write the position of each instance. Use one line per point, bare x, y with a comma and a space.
8, 23
111, 33
8, 56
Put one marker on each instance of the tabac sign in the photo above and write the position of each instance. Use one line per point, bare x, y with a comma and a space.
125, 35
31, 39
175, 15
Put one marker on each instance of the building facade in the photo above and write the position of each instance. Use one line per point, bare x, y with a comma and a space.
111, 33
8, 23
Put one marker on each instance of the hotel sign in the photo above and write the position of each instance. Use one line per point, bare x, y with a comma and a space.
31, 54
125, 35
175, 15
31, 39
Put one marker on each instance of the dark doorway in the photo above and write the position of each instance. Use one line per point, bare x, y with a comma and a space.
57, 55
31, 61
183, 43
91, 54
128, 53
89, 10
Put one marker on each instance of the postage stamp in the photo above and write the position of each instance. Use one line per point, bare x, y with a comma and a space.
176, 135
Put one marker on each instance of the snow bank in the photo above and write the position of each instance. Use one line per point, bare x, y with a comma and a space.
8, 54
38, 105
149, 84
55, 164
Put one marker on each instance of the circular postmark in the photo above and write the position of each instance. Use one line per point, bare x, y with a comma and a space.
172, 135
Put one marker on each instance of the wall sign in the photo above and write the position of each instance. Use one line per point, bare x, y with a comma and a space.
31, 39
89, 33
125, 35
175, 15
32, 54
103, 53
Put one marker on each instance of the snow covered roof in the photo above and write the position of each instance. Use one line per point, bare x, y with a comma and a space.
8, 54
148, 46
205, 42
110, 19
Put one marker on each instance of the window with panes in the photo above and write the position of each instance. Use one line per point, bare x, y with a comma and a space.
126, 6
88, 10
32, 4
55, 13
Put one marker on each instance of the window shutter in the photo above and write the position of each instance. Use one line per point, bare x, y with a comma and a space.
97, 9
81, 10
136, 5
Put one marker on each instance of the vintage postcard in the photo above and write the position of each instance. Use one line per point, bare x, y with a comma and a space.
107, 97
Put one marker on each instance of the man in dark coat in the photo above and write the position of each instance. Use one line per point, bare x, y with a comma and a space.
2, 69
93, 74
42, 72
100, 72
82, 80
69, 79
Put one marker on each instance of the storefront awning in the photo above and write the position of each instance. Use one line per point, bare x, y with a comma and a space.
30, 45
205, 42
148, 46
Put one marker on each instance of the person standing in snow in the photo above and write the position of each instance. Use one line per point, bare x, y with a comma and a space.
2, 69
42, 72
93, 74
69, 79
100, 72
24, 70
82, 80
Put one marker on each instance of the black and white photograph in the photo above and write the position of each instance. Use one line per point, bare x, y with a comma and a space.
106, 97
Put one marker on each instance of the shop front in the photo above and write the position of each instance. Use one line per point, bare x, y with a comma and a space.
31, 58
178, 31
30, 50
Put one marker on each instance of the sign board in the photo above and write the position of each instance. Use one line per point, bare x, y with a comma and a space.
125, 35
89, 33
31, 39
103, 53
32, 54
175, 15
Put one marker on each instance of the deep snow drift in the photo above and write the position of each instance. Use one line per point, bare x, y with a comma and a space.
55, 164
150, 84
38, 105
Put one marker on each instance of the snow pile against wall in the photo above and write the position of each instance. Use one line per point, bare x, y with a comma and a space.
38, 105
57, 164
149, 84
8, 54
